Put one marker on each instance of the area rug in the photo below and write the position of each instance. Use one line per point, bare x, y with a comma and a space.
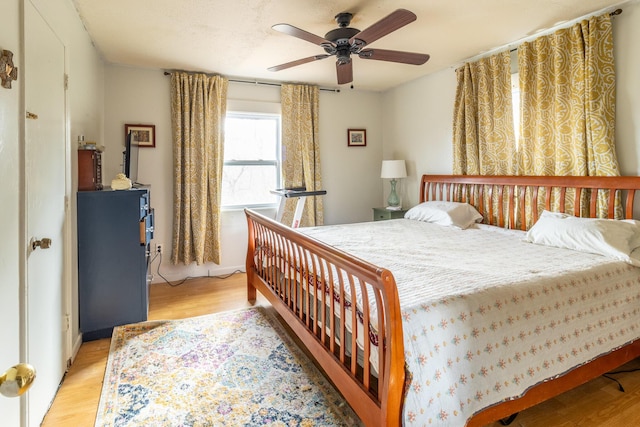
236, 368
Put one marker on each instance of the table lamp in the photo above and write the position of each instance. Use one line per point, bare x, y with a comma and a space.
393, 169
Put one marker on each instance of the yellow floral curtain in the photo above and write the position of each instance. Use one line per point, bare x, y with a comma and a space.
483, 137
198, 108
300, 149
567, 89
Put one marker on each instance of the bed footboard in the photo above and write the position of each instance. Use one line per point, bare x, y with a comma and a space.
344, 310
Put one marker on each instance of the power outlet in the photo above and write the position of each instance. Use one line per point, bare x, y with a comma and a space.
159, 248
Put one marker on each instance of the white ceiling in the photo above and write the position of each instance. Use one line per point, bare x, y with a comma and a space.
234, 37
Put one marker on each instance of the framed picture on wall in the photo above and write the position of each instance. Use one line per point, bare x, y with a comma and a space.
357, 138
143, 135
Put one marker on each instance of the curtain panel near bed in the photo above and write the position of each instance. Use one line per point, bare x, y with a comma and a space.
483, 136
301, 150
567, 110
567, 90
567, 86
198, 108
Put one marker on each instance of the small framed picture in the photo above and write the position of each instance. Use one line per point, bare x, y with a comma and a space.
357, 138
143, 135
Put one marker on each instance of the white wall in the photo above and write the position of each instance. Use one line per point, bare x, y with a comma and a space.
626, 36
350, 174
418, 119
419, 115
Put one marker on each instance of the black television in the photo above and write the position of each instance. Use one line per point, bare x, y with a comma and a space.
130, 159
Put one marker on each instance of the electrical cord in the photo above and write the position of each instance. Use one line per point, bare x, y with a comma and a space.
625, 371
510, 419
168, 282
616, 380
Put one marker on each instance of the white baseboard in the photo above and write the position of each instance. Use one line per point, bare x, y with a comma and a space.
76, 347
202, 271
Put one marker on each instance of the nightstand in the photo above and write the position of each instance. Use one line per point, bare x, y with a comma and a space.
381, 214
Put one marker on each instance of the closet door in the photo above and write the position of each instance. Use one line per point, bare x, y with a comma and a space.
44, 312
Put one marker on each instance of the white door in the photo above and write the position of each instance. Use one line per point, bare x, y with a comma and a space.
45, 171
10, 235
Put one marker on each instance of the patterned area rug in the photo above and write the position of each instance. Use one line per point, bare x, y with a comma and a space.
236, 368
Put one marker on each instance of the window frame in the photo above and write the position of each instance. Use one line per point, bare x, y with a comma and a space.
243, 162
515, 106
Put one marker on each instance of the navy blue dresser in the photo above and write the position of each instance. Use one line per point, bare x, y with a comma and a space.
114, 232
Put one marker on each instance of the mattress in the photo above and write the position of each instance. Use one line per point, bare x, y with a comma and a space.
487, 315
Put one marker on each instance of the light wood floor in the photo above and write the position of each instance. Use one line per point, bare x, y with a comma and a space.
597, 403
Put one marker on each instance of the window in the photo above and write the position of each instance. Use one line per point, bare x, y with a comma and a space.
251, 160
515, 102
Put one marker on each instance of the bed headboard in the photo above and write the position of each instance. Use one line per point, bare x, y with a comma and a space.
556, 193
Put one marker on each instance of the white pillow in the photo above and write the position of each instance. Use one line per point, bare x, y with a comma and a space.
634, 243
461, 215
607, 237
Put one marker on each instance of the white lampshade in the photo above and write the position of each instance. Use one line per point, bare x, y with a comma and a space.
393, 169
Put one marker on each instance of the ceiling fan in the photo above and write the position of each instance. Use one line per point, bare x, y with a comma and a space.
344, 41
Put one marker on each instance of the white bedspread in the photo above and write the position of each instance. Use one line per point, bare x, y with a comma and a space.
487, 315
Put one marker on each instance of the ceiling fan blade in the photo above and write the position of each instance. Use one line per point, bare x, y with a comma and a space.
297, 62
301, 34
386, 25
394, 56
345, 72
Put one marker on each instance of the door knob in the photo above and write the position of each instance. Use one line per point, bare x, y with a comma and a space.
45, 243
17, 380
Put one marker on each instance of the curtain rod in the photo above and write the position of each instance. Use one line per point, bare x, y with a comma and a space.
524, 39
614, 13
256, 82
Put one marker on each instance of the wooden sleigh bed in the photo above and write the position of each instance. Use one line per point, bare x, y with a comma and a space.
325, 293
